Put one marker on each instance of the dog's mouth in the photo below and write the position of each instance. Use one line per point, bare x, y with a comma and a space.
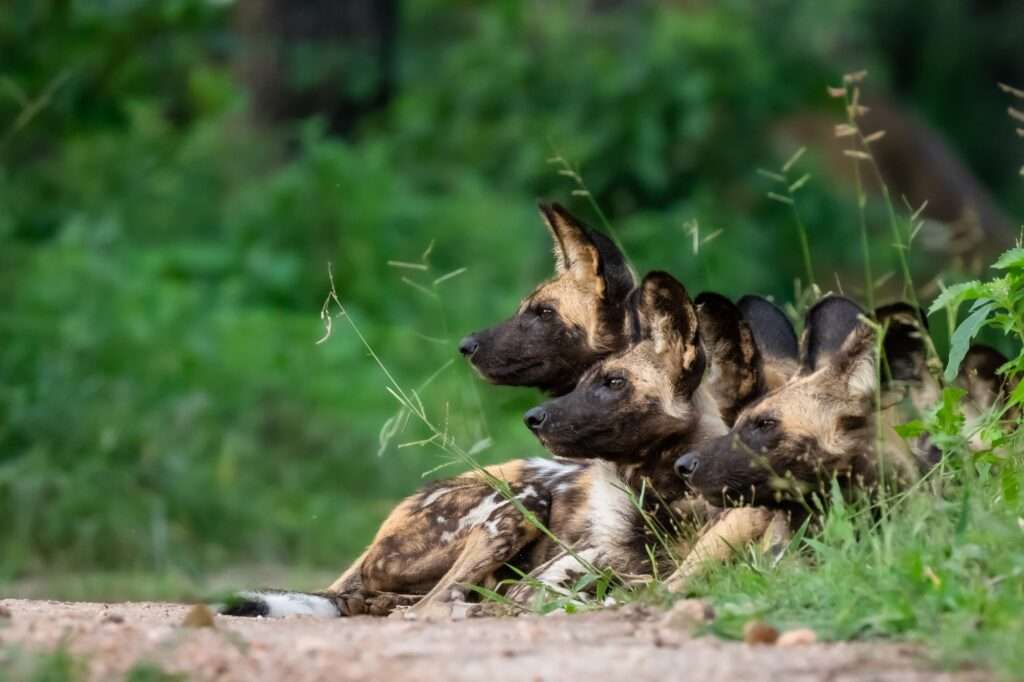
505, 372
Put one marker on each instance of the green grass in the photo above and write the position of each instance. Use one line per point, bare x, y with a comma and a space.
945, 571
165, 414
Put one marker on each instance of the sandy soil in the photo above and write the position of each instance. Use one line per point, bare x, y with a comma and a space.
613, 644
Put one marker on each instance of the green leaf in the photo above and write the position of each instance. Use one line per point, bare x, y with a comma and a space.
961, 340
911, 429
585, 581
948, 416
957, 293
1014, 258
1010, 485
1017, 395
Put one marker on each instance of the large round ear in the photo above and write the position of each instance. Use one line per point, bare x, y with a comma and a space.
773, 332
668, 317
588, 256
904, 354
855, 363
826, 327
735, 378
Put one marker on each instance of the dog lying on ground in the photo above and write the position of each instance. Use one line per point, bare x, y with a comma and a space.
463, 531
560, 330
832, 421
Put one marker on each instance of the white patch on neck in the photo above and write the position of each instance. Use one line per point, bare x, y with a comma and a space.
611, 512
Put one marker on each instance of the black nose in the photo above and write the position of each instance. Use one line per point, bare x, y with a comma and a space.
687, 464
535, 417
469, 345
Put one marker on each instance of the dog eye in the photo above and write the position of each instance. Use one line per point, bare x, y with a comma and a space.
545, 313
614, 383
765, 423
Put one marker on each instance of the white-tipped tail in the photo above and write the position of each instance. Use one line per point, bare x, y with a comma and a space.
279, 604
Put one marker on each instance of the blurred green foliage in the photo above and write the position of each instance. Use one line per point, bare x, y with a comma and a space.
163, 261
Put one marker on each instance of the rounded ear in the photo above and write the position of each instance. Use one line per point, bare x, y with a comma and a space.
903, 347
827, 326
668, 317
588, 256
736, 376
855, 363
773, 332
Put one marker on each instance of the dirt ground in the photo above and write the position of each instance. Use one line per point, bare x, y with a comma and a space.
613, 644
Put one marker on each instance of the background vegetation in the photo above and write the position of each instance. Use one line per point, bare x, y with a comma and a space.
165, 235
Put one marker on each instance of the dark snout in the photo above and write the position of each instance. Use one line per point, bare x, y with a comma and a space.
687, 465
469, 345
535, 418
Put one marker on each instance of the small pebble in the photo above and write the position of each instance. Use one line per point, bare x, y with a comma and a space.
200, 616
687, 614
759, 632
112, 618
5, 612
797, 637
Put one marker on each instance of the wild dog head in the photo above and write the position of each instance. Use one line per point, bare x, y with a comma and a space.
818, 425
735, 375
979, 376
910, 387
643, 400
774, 337
568, 323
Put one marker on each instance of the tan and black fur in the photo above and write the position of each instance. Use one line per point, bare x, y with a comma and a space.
567, 323
751, 347
463, 531
821, 424
775, 338
827, 421
635, 411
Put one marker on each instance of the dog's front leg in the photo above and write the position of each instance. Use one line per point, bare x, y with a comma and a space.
556, 574
734, 530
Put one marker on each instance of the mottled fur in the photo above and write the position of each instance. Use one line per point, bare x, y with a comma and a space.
461, 532
637, 410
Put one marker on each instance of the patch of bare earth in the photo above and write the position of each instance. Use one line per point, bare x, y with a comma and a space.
613, 644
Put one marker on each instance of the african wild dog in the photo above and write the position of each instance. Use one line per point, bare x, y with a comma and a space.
823, 423
579, 317
634, 411
461, 532
435, 539
568, 323
819, 425
627, 410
